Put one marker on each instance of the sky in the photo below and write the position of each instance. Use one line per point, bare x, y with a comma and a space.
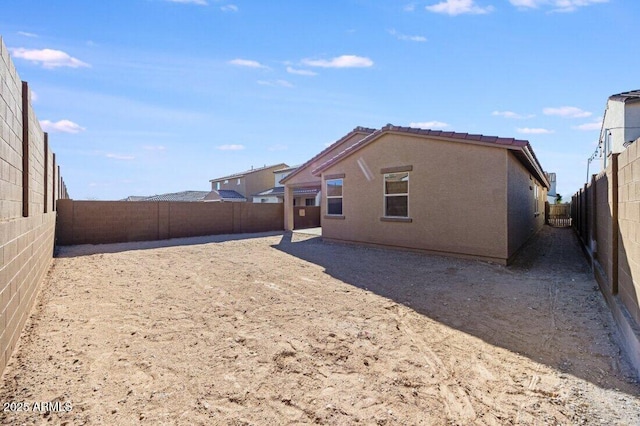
144, 97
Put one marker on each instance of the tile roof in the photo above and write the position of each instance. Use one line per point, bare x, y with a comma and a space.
229, 194
174, 196
278, 191
248, 172
624, 96
527, 158
358, 129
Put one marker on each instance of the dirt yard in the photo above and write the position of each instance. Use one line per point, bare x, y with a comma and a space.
280, 329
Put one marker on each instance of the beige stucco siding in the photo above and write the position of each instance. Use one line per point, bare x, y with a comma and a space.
525, 218
457, 197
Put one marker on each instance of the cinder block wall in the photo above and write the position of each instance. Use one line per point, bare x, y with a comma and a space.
629, 227
103, 222
27, 216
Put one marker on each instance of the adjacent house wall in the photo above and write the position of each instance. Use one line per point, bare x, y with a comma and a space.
525, 218
260, 181
453, 210
29, 187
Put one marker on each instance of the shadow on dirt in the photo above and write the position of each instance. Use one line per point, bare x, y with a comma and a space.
545, 306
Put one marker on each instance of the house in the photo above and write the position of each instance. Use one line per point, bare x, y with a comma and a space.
440, 192
620, 124
239, 187
301, 196
552, 194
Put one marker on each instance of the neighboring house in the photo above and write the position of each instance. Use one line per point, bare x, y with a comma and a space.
621, 123
442, 192
301, 196
240, 186
552, 194
175, 196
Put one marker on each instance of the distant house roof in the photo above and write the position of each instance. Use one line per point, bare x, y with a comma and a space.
278, 191
633, 95
174, 196
224, 195
346, 137
248, 172
521, 148
287, 169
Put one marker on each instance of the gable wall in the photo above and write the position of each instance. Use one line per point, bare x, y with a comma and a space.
306, 178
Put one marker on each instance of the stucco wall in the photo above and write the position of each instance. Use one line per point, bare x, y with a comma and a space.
525, 218
457, 197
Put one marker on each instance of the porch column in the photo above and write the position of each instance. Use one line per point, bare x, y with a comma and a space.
288, 208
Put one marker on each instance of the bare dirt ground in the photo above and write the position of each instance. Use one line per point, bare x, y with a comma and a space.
286, 329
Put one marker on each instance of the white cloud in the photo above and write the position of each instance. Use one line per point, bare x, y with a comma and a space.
232, 147
458, 7
511, 114
26, 34
409, 7
275, 83
198, 2
154, 147
229, 8
534, 131
556, 5
296, 71
247, 63
48, 58
596, 125
120, 157
62, 126
429, 125
344, 61
405, 37
567, 111
33, 96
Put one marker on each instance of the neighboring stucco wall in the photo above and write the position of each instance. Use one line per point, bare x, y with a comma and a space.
525, 218
232, 184
632, 121
457, 197
260, 181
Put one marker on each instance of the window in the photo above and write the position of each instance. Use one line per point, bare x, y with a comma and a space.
334, 196
218, 185
396, 194
226, 181
310, 202
238, 182
536, 199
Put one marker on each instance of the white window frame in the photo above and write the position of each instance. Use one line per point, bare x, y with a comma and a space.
536, 199
385, 195
341, 196
238, 182
217, 186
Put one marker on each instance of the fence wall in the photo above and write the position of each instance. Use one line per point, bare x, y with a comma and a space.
606, 217
30, 185
103, 222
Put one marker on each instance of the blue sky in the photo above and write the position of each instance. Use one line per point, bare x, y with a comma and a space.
142, 97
